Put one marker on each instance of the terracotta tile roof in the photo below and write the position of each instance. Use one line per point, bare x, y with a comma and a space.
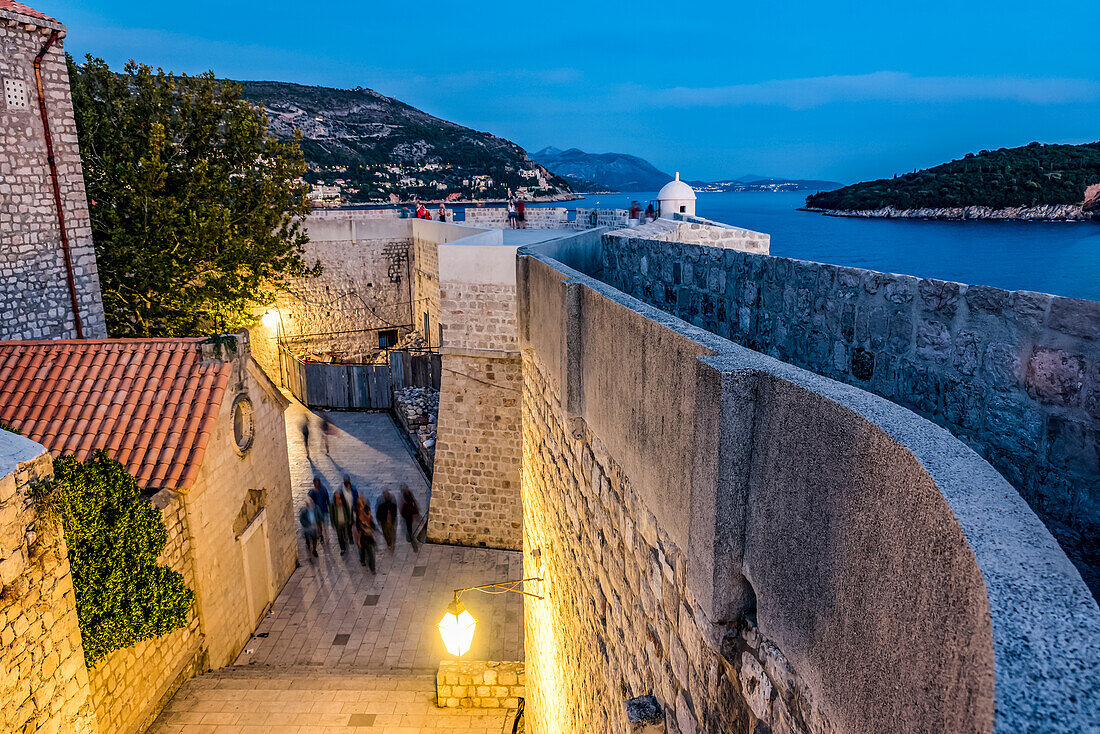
22, 9
150, 403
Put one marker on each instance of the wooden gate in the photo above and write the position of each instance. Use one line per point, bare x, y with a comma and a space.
347, 386
408, 369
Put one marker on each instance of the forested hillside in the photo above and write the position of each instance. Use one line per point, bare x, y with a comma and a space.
369, 147
1032, 175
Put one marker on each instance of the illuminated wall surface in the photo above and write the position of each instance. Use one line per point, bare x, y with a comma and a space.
753, 544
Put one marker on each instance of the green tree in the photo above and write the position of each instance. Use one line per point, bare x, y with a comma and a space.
196, 209
114, 536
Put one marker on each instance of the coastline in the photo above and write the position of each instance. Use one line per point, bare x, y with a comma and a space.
1051, 213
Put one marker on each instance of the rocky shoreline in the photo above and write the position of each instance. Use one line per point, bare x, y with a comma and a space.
1052, 213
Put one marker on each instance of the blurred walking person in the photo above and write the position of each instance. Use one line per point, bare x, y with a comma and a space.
305, 436
309, 528
387, 519
327, 430
410, 513
364, 527
351, 497
341, 520
319, 496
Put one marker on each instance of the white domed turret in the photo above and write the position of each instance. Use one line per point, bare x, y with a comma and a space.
676, 197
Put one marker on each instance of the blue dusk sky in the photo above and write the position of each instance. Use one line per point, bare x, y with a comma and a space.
836, 90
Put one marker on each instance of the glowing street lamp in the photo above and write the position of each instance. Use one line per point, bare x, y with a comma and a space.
270, 319
457, 626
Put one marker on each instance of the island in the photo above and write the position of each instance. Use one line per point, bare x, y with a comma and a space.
1031, 182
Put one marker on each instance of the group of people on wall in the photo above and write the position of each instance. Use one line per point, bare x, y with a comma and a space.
421, 212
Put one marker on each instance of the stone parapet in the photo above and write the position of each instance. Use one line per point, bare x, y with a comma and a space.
485, 684
766, 549
1014, 374
43, 682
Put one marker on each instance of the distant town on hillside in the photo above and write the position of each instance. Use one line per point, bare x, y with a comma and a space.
362, 146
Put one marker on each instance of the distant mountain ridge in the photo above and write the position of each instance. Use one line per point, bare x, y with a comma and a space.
1034, 181
600, 172
373, 148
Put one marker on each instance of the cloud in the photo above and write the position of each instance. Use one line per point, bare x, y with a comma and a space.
880, 86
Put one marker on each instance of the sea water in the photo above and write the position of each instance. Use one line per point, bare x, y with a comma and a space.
1062, 258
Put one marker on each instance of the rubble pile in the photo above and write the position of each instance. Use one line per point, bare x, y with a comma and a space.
412, 342
416, 409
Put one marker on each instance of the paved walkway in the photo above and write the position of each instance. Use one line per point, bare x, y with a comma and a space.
364, 647
251, 701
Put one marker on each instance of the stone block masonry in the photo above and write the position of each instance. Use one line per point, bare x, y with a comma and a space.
475, 484
720, 530
43, 682
484, 684
34, 296
1016, 375
620, 620
131, 686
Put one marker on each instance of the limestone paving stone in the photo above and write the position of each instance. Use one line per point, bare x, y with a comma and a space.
291, 677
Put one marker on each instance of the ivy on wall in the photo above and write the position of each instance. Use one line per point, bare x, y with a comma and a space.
114, 535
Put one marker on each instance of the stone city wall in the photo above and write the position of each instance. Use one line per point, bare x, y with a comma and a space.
34, 296
1016, 375
699, 231
722, 530
232, 491
131, 686
475, 480
479, 684
379, 273
43, 682
427, 236
364, 286
550, 217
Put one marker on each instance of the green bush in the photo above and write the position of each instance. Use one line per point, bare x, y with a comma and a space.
115, 535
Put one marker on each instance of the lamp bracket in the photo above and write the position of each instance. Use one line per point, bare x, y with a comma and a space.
505, 586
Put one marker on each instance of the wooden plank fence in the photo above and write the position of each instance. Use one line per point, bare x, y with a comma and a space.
341, 386
357, 386
415, 370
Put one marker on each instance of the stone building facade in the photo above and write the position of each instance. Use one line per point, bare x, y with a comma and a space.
201, 428
240, 514
35, 298
1016, 375
131, 686
43, 682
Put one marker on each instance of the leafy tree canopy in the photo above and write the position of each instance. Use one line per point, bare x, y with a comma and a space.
114, 536
196, 209
1032, 175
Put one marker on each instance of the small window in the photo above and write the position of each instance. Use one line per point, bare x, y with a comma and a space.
387, 338
244, 423
683, 209
15, 94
